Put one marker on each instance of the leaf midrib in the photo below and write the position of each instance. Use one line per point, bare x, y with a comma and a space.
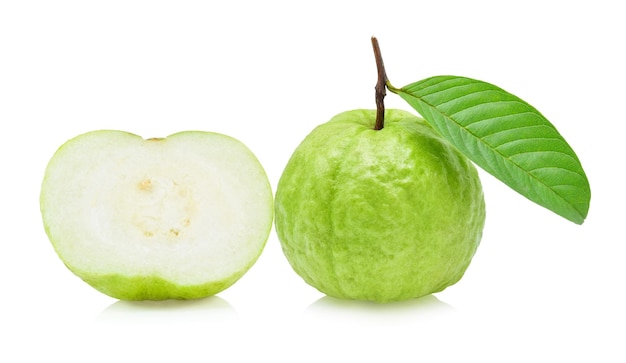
481, 141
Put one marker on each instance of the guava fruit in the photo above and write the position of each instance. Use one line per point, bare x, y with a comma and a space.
381, 215
181, 217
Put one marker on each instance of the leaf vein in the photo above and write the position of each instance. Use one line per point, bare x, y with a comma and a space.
479, 140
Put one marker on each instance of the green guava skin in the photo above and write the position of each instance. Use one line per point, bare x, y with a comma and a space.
383, 215
138, 288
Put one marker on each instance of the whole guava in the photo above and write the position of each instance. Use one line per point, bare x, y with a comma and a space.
380, 215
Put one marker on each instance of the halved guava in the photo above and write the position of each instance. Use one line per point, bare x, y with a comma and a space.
181, 217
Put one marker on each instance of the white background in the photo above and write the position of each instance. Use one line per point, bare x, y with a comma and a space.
540, 288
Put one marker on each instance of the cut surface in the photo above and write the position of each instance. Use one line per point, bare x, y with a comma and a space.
179, 217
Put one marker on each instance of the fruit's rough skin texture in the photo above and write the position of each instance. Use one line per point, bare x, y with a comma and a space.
181, 217
382, 215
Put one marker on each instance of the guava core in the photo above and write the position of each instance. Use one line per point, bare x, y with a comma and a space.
380, 215
181, 217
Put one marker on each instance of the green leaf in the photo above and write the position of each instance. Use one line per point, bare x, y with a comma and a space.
507, 137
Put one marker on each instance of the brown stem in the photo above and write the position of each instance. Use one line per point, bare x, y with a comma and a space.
380, 86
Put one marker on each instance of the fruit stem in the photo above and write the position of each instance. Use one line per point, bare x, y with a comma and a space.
380, 86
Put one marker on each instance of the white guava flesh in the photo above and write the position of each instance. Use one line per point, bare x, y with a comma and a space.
180, 217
